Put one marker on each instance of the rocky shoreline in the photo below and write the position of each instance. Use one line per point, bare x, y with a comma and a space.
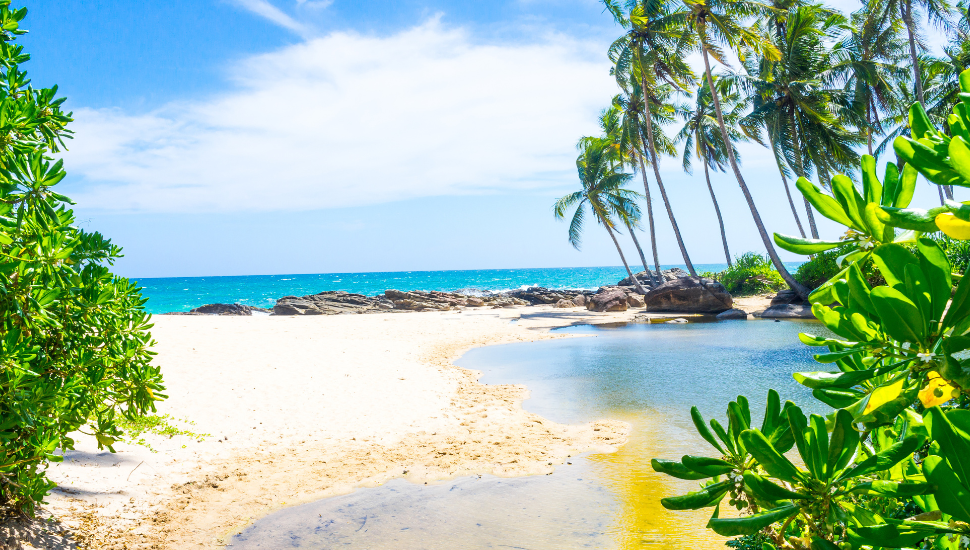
679, 293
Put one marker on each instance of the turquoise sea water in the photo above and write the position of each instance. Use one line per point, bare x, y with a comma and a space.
184, 293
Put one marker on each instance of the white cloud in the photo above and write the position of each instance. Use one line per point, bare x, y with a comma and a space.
265, 9
349, 119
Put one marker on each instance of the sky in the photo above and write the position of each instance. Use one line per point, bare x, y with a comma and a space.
242, 137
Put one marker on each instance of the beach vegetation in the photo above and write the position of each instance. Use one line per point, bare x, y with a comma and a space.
750, 274
886, 463
161, 425
75, 347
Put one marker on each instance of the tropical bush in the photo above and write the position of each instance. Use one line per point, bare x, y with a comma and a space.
957, 252
750, 274
74, 341
889, 465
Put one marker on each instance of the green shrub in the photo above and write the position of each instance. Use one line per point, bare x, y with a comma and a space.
751, 274
74, 341
824, 266
958, 252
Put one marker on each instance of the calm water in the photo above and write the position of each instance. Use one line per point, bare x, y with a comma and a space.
185, 293
647, 375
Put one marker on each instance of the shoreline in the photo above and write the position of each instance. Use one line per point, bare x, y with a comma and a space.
392, 404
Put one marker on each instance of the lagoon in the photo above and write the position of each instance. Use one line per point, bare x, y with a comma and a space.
646, 374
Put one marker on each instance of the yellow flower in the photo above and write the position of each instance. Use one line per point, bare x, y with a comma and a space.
953, 226
936, 392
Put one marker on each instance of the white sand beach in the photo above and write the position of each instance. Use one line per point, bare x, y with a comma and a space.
299, 408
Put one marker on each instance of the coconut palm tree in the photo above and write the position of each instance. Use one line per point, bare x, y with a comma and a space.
647, 56
702, 138
937, 12
623, 152
870, 57
799, 101
603, 194
719, 22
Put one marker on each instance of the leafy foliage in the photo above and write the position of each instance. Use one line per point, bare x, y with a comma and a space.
889, 467
750, 274
74, 341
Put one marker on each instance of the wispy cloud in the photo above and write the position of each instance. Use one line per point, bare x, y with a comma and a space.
348, 119
265, 9
314, 4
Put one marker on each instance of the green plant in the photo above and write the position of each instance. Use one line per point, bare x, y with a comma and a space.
957, 252
889, 466
750, 274
156, 425
74, 341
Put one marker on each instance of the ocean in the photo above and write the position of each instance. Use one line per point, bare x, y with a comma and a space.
184, 293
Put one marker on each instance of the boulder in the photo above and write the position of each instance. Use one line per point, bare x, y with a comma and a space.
564, 303
473, 301
732, 314
647, 281
221, 309
608, 299
689, 295
788, 311
635, 300
787, 296
579, 300
330, 303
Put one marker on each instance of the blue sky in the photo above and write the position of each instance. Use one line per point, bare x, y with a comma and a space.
226, 137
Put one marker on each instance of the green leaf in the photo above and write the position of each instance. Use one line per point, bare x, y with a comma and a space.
748, 525
767, 490
900, 317
892, 259
701, 427
896, 489
825, 204
885, 459
850, 200
951, 495
704, 498
890, 185
960, 159
773, 462
954, 443
907, 186
919, 122
833, 379
960, 305
843, 443
837, 398
675, 469
910, 218
899, 534
707, 466
871, 186
936, 268
804, 246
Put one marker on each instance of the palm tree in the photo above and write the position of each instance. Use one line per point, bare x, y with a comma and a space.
645, 57
603, 194
702, 138
870, 58
716, 22
798, 100
937, 11
619, 124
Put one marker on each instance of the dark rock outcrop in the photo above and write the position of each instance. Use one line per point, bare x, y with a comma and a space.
689, 295
222, 309
646, 281
732, 314
608, 299
788, 311
787, 296
330, 303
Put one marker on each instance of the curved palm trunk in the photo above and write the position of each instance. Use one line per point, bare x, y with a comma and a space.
636, 283
801, 172
717, 210
772, 253
658, 276
636, 243
784, 181
663, 192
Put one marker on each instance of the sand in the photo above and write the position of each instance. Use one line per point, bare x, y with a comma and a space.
287, 410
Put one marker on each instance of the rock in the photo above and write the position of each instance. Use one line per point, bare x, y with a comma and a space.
226, 309
788, 311
473, 301
330, 303
645, 279
579, 300
538, 295
786, 297
564, 303
608, 299
689, 295
635, 300
732, 314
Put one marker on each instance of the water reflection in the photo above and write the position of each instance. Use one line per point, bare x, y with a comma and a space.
647, 375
